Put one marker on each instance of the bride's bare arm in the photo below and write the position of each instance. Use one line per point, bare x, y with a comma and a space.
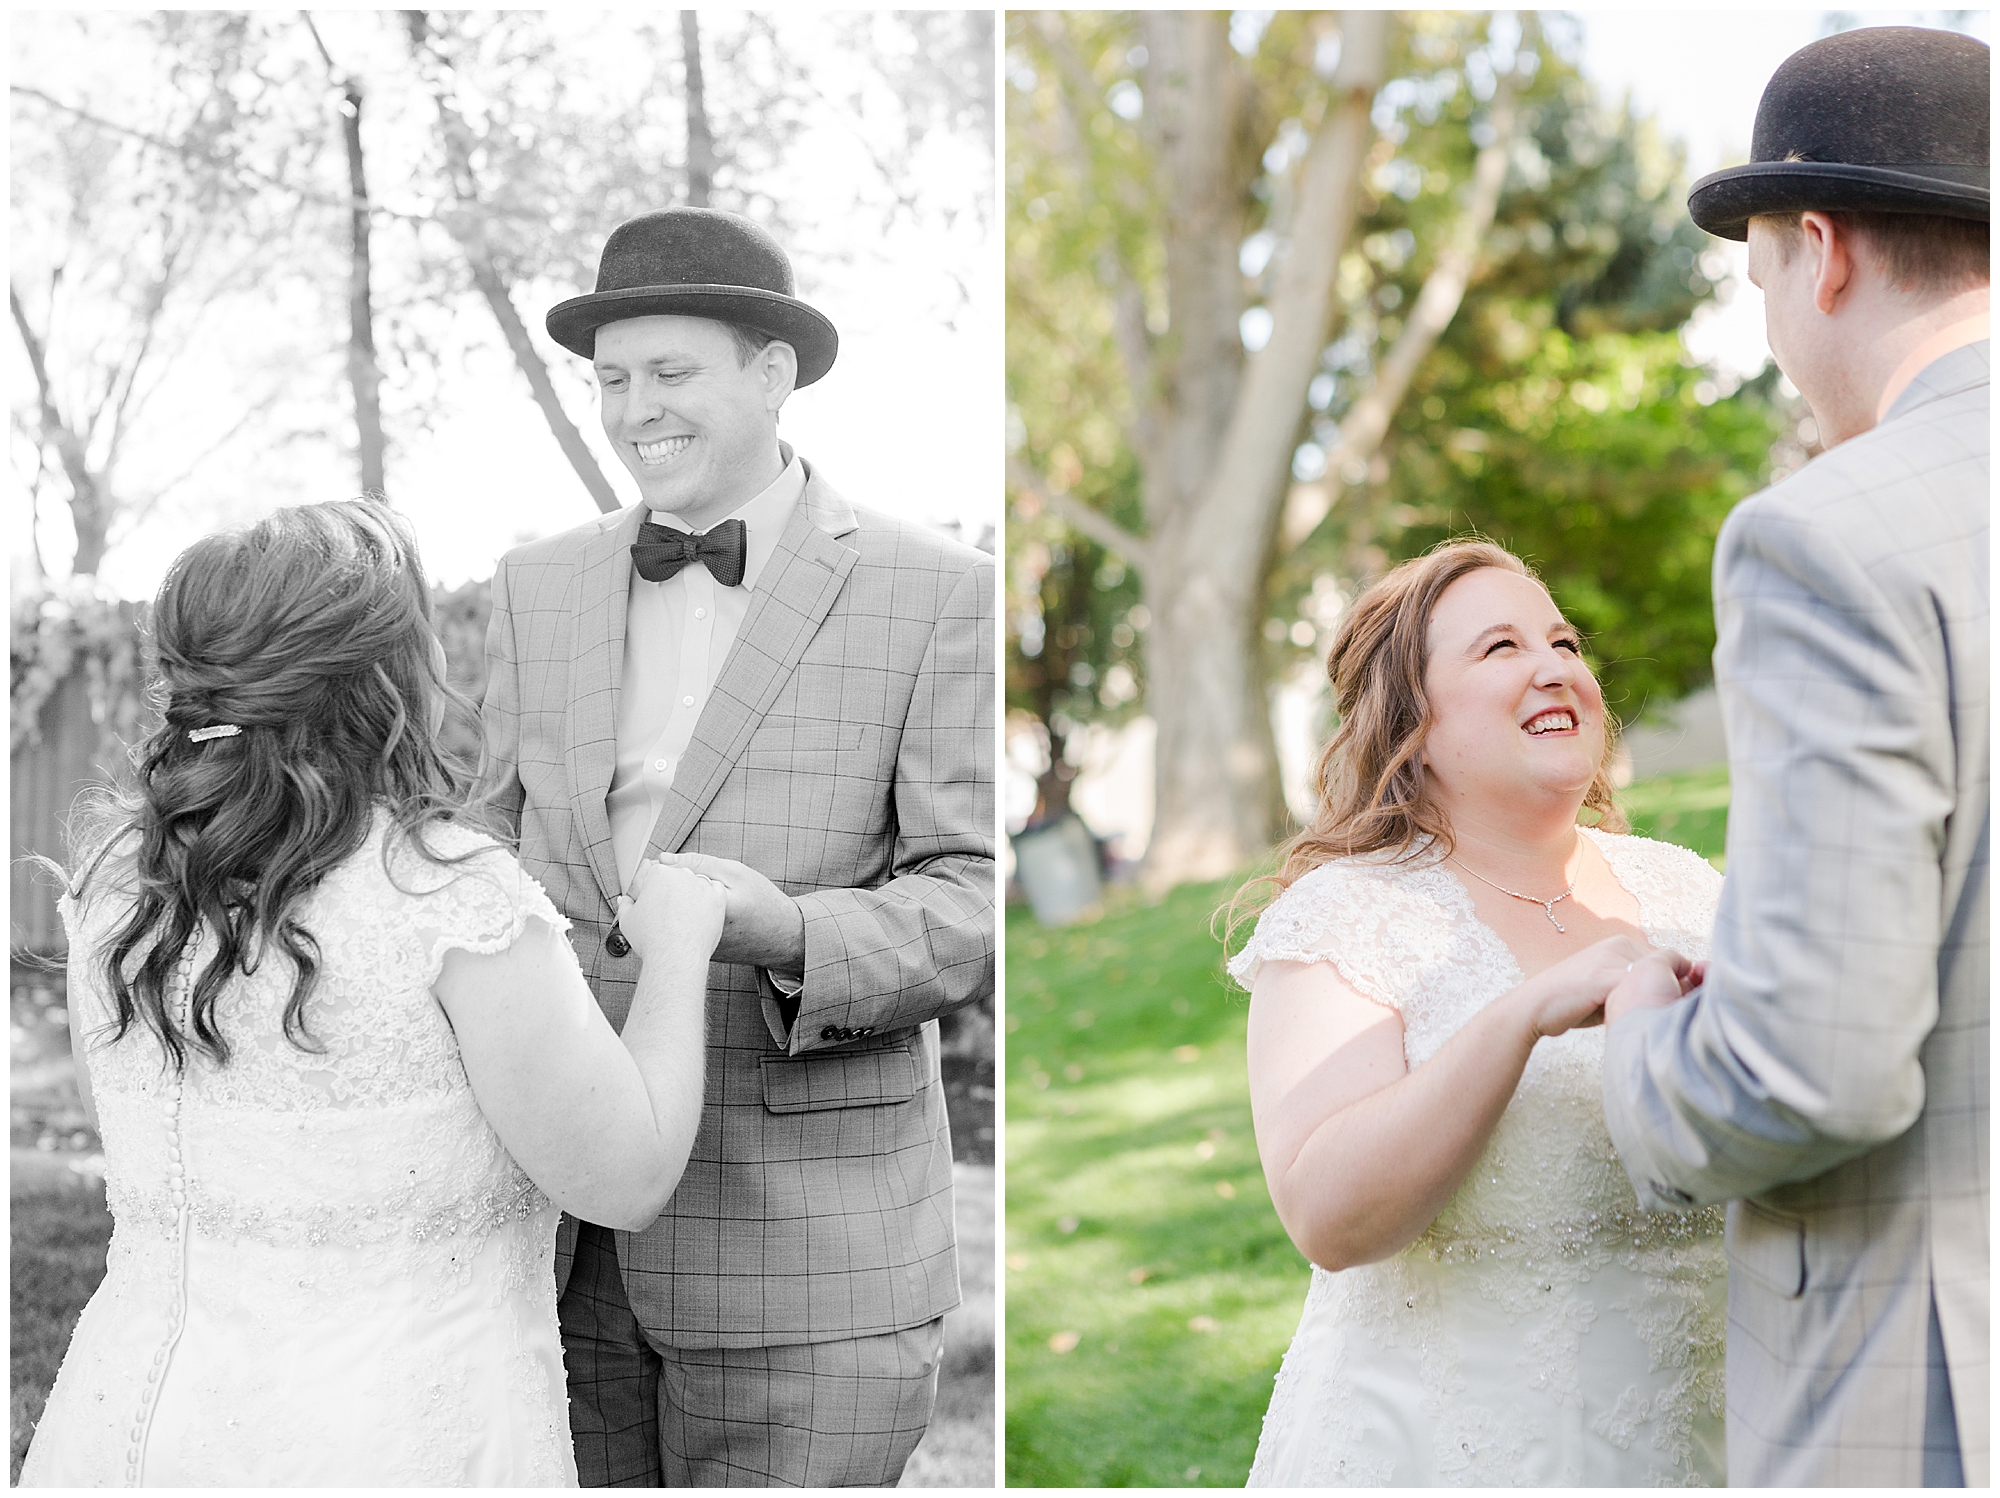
602, 1122
1361, 1153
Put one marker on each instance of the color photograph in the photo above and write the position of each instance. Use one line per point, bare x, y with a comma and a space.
1496, 964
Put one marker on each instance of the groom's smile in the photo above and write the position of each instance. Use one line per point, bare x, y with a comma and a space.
693, 418
653, 454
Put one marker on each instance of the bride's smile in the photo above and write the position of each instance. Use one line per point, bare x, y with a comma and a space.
1514, 709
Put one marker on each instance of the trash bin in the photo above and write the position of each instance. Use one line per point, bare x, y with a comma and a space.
1056, 864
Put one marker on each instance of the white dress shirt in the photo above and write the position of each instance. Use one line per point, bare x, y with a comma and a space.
677, 635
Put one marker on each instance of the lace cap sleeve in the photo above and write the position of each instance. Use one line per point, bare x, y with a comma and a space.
1676, 887
1373, 921
475, 897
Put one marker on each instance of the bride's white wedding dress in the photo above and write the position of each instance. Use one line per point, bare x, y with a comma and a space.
1542, 1331
325, 1268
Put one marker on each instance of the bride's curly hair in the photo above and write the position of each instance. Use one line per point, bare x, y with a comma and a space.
1369, 789
311, 632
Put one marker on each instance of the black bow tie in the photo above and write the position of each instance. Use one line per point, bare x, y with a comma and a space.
661, 551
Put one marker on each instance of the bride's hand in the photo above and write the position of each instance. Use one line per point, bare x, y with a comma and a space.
1570, 995
672, 911
1655, 981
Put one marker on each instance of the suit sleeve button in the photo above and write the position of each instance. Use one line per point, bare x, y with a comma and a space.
616, 944
829, 1033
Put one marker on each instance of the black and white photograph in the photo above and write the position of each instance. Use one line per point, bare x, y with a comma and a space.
504, 892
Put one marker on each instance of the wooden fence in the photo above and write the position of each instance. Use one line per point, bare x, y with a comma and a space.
74, 752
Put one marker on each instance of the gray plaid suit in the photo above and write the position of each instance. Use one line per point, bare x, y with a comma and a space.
846, 752
1832, 1073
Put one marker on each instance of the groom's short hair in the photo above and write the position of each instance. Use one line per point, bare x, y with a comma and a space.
1920, 254
750, 342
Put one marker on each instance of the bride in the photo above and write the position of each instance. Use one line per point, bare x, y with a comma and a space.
1488, 1305
346, 1067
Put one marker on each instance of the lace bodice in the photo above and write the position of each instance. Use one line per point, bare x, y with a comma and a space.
328, 1164
292, 1195
1548, 1205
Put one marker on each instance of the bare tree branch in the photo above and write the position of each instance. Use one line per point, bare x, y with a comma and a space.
701, 140
172, 148
1079, 516
1128, 300
1367, 420
137, 511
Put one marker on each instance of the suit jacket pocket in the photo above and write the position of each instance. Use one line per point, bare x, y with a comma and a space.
1768, 1247
840, 1079
783, 743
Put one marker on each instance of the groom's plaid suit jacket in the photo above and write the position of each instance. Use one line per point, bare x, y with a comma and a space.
1833, 1073
846, 753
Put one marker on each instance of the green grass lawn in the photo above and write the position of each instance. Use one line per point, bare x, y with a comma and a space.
1150, 1289
1689, 807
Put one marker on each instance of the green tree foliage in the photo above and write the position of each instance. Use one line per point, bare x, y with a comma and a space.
1557, 413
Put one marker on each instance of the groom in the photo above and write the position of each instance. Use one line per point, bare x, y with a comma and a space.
794, 696
1829, 1076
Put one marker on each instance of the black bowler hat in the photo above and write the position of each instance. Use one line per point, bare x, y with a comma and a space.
697, 262
1889, 119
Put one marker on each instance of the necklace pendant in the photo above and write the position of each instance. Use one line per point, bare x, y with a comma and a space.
1549, 910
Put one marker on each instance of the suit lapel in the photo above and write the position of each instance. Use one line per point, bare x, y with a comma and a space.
799, 585
604, 583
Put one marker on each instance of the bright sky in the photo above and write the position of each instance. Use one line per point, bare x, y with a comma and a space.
907, 421
1700, 74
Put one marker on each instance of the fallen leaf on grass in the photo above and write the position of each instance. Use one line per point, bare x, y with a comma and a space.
1187, 1053
1063, 1342
1203, 1324
1226, 1191
1140, 1275
1017, 1261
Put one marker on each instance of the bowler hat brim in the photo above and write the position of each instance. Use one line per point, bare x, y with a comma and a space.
574, 323
1724, 202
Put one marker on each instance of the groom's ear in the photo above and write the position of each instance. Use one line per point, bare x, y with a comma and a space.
778, 369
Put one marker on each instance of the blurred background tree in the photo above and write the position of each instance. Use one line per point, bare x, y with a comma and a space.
1423, 283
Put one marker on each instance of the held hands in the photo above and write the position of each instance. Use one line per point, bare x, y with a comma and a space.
1655, 981
762, 926
1571, 995
672, 913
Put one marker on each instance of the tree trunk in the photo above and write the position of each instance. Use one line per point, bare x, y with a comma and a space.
493, 287
90, 505
1213, 495
364, 370
701, 143
465, 224
1367, 421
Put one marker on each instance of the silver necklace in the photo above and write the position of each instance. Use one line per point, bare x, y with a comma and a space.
1548, 906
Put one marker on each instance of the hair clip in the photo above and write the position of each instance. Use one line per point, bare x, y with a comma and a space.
220, 731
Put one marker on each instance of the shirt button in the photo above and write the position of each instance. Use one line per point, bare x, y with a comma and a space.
660, 765
701, 613
687, 702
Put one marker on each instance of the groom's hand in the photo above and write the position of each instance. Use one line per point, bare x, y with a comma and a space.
1654, 981
761, 924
